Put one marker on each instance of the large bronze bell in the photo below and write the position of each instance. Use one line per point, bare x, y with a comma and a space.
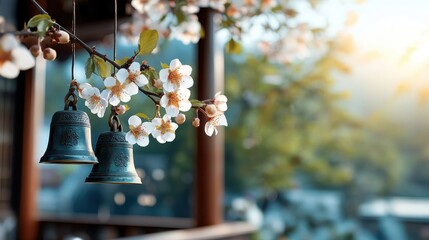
115, 156
70, 136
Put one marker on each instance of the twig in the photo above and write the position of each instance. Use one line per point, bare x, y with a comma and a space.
150, 95
89, 49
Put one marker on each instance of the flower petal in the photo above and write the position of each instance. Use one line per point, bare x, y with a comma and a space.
172, 111
163, 75
185, 70
184, 106
114, 100
169, 87
131, 89
148, 127
160, 139
209, 128
221, 120
168, 136
122, 75
141, 80
186, 82
8, 42
134, 67
9, 70
134, 121
175, 63
23, 58
125, 97
143, 141
130, 138
110, 82
163, 101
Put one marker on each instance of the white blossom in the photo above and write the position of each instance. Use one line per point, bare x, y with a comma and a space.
132, 75
118, 90
188, 31
95, 101
220, 102
213, 122
176, 76
139, 132
14, 57
164, 129
176, 101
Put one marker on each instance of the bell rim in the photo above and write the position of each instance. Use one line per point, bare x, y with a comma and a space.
126, 180
64, 159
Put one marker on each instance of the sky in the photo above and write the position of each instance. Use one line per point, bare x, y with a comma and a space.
391, 57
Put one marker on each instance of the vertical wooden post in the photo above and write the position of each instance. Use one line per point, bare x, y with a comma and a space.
210, 151
32, 108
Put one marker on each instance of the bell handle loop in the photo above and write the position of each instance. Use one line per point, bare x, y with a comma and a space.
70, 103
71, 94
115, 123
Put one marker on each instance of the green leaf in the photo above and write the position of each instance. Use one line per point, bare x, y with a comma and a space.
148, 41
41, 21
233, 47
102, 68
126, 107
164, 65
142, 115
89, 67
197, 103
122, 61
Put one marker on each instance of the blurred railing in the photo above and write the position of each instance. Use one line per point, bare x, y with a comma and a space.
224, 231
82, 226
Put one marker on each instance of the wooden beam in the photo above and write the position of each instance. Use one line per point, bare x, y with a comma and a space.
233, 230
210, 151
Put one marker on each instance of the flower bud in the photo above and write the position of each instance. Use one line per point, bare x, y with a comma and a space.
35, 50
63, 37
49, 54
121, 109
180, 119
211, 110
157, 83
196, 122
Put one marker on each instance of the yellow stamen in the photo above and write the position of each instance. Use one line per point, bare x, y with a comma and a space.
174, 76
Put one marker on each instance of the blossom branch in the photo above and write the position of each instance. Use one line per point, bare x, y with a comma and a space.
90, 50
150, 95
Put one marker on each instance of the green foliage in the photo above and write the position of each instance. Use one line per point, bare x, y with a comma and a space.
294, 132
89, 67
147, 41
142, 115
197, 103
122, 61
42, 22
164, 65
233, 47
97, 65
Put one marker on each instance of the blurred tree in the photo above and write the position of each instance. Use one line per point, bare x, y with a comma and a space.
288, 129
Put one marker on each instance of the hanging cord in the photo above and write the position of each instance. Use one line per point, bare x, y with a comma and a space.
115, 26
73, 46
70, 100
114, 122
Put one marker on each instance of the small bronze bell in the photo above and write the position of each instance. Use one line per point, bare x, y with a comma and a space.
70, 136
115, 156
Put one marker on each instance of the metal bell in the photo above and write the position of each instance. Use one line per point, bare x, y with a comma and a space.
70, 136
115, 156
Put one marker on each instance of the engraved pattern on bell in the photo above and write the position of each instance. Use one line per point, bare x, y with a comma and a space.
69, 137
74, 117
112, 138
121, 160
116, 161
